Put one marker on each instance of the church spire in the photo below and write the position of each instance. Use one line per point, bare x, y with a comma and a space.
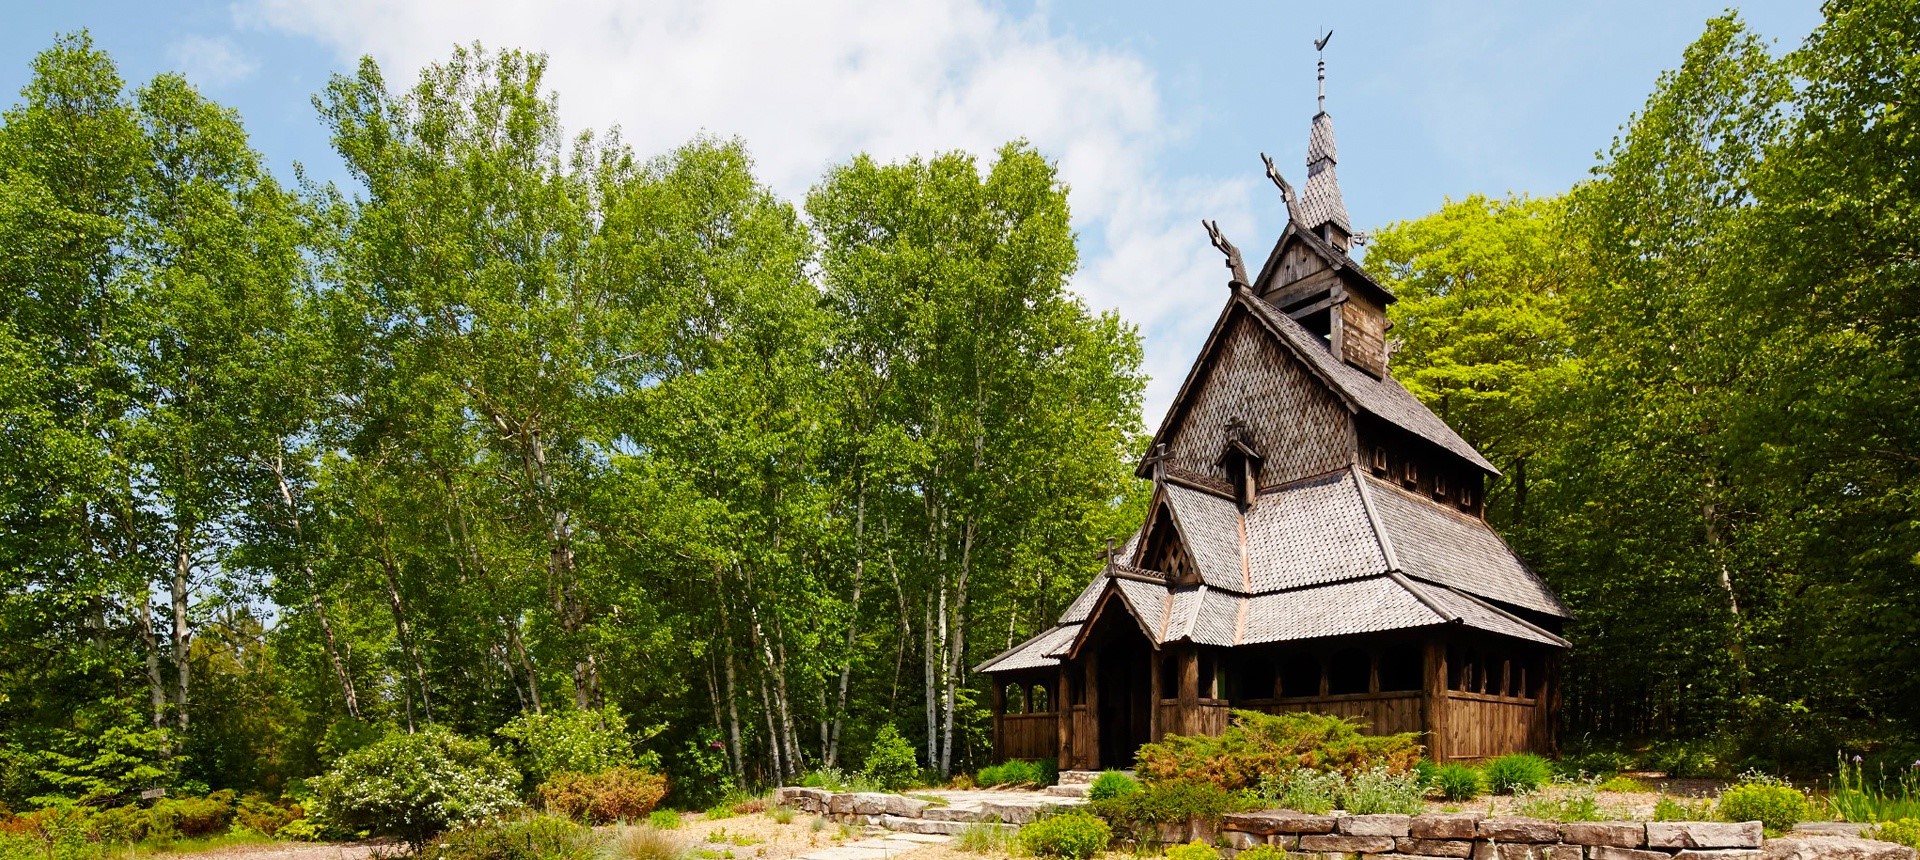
1322, 209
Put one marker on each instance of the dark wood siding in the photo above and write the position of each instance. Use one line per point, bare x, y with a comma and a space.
1297, 424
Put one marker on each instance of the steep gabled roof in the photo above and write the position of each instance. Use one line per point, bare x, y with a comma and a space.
1349, 270
1384, 398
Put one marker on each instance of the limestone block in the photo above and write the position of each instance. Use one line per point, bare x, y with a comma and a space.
1375, 825
840, 804
1721, 854
1608, 852
1618, 834
906, 807
1240, 840
1278, 821
1458, 848
1833, 848
1519, 830
1560, 852
1703, 834
1459, 825
1347, 844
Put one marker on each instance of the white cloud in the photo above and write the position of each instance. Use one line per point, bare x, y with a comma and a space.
210, 60
809, 84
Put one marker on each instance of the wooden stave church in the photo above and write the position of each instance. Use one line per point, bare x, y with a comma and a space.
1315, 541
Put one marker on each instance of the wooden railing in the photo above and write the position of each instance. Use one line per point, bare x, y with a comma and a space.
1028, 736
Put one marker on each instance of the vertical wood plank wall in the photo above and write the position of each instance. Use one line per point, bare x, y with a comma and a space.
1383, 713
1481, 726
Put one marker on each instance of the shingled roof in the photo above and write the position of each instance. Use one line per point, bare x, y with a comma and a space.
1384, 398
1339, 554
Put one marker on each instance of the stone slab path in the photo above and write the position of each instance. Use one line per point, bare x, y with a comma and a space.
883, 847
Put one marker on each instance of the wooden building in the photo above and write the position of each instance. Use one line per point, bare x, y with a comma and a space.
1315, 542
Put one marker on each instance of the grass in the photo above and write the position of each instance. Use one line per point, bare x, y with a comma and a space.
1623, 785
781, 814
1576, 802
985, 838
648, 843
663, 819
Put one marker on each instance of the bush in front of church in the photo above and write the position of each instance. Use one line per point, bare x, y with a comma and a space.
1256, 745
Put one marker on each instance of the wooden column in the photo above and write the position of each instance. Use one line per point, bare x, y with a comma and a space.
999, 711
1550, 700
1189, 689
1092, 743
1154, 729
1433, 706
1062, 718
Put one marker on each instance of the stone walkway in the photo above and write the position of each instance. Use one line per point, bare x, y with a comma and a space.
883, 847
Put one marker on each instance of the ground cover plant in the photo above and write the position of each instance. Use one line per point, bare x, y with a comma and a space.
615, 794
1018, 772
1255, 745
515, 837
1905, 831
1195, 850
1139, 815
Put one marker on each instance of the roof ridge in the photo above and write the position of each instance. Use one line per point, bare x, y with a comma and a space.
1373, 519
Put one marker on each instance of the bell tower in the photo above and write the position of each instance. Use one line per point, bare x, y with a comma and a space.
1310, 276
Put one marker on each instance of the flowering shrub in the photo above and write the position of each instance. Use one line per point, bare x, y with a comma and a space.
571, 742
415, 786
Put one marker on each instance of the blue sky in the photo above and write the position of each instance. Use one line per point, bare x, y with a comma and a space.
1156, 111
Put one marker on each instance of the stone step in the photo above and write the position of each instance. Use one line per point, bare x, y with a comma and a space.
935, 827
1069, 789
1084, 777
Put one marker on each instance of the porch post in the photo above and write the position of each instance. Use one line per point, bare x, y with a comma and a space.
1063, 715
999, 711
1189, 688
1433, 710
1154, 729
1092, 744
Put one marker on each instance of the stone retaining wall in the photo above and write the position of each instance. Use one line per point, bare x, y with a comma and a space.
1472, 836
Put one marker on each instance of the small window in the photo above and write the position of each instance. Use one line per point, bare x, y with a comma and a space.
1465, 497
1016, 696
1439, 486
1380, 460
1040, 699
1411, 474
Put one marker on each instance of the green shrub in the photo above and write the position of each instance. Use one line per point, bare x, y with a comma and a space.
415, 785
1684, 760
533, 837
1195, 850
1905, 831
663, 819
1111, 784
119, 825
1018, 772
1140, 814
1599, 764
1263, 851
891, 762
1519, 772
718, 811
263, 816
1257, 745
1777, 807
1304, 790
190, 817
1072, 835
616, 794
1457, 782
1380, 791
573, 741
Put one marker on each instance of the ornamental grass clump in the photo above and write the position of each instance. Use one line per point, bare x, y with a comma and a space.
1111, 784
1071, 836
1518, 773
1457, 782
1017, 772
1256, 745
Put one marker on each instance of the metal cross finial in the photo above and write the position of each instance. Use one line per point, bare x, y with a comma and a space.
1320, 47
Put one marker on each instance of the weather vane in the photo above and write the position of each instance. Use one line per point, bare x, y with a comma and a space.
1320, 47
